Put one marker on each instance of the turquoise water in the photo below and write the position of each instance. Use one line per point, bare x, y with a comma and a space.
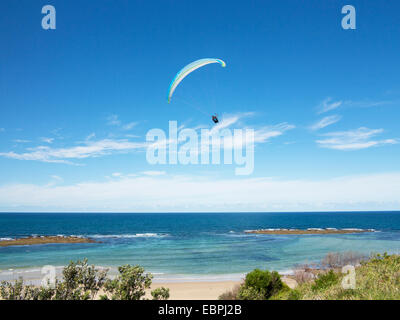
191, 244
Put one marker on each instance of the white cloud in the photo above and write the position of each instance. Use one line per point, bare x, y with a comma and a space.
360, 138
324, 122
367, 103
21, 141
129, 126
90, 136
265, 133
154, 173
261, 135
113, 120
54, 180
47, 140
88, 149
189, 193
117, 174
328, 105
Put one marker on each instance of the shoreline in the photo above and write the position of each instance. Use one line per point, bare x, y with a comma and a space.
33, 275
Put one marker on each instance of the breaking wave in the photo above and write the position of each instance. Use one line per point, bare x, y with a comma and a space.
136, 235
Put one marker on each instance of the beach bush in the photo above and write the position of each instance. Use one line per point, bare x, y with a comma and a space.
325, 280
250, 293
83, 282
160, 294
131, 284
12, 291
261, 284
18, 291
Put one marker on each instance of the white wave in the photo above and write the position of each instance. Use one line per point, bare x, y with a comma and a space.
312, 229
6, 239
136, 235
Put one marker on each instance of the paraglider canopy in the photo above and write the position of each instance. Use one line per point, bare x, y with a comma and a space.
189, 69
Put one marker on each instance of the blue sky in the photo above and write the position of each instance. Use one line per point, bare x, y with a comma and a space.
76, 101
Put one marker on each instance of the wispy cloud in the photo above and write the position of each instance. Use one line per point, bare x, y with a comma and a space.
261, 134
328, 105
360, 138
117, 174
47, 140
54, 181
21, 141
90, 136
265, 133
367, 103
324, 122
129, 126
88, 149
154, 173
113, 120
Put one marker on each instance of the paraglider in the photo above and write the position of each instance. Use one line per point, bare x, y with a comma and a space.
185, 71
215, 119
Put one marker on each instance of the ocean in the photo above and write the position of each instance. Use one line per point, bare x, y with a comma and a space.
192, 246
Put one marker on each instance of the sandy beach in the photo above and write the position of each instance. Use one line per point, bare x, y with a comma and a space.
196, 290
205, 290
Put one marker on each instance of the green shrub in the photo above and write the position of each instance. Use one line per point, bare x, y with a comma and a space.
325, 280
18, 291
261, 284
294, 295
131, 284
251, 293
160, 294
12, 291
83, 282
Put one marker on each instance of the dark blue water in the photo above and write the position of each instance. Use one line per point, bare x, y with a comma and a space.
194, 244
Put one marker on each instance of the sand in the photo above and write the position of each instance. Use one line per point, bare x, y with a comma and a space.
196, 290
203, 290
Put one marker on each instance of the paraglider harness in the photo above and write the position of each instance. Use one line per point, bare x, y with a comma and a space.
215, 118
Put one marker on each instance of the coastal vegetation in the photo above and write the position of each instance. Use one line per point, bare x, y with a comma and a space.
81, 281
261, 285
370, 278
375, 278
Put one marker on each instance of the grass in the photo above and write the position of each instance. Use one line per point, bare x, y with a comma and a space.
376, 279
